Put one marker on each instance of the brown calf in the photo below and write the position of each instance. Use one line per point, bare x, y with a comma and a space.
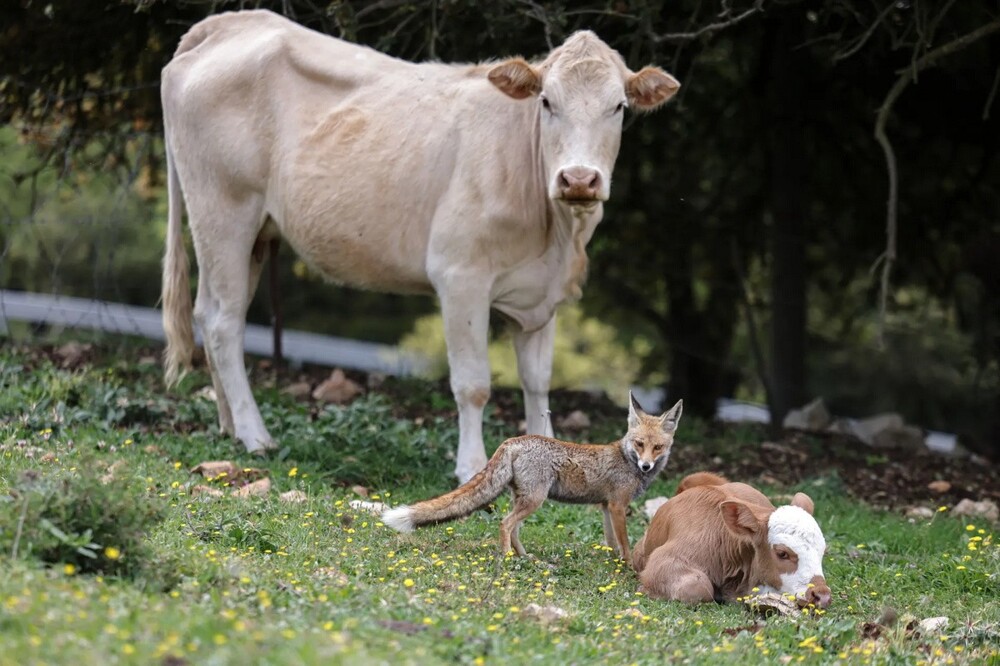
717, 540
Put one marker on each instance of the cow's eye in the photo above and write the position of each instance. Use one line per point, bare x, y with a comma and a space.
782, 555
621, 107
545, 103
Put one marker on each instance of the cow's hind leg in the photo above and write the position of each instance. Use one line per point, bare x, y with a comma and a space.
534, 367
224, 236
666, 576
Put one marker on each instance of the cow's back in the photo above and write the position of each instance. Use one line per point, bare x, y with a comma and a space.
369, 165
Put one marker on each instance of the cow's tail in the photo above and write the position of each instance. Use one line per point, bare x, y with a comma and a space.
700, 479
475, 493
177, 311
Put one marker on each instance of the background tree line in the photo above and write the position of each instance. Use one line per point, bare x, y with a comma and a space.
821, 154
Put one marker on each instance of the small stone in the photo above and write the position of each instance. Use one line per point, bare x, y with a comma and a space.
377, 508
939, 486
575, 420
207, 491
359, 490
206, 393
987, 509
814, 416
293, 497
545, 615
932, 625
919, 512
652, 505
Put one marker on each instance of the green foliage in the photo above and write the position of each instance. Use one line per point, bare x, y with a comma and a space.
72, 518
588, 354
237, 580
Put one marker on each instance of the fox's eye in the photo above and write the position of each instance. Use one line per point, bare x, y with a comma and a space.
658, 448
639, 444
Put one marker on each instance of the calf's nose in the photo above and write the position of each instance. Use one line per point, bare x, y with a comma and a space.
579, 183
818, 593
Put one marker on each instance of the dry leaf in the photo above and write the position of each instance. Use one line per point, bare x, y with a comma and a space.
259, 488
293, 497
338, 389
228, 473
113, 469
298, 390
770, 603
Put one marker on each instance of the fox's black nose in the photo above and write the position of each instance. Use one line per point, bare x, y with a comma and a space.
645, 466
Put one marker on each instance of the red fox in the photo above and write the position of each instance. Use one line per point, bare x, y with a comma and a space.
536, 468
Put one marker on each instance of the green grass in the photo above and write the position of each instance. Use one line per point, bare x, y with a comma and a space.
255, 580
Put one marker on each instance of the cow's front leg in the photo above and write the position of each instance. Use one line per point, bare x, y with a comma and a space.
466, 311
534, 366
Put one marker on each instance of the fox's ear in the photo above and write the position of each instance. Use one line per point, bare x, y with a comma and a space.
634, 410
671, 418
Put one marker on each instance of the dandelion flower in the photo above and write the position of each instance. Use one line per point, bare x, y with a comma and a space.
408, 582
112, 553
293, 472
69, 569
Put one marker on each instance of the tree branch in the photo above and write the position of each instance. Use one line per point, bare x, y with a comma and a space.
680, 37
907, 75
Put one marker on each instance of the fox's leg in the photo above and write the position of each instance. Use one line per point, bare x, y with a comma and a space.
524, 506
668, 577
609, 530
617, 513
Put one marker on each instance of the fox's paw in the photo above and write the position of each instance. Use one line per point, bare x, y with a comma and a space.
399, 519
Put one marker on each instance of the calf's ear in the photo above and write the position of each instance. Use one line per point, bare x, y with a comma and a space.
516, 78
649, 88
740, 519
803, 501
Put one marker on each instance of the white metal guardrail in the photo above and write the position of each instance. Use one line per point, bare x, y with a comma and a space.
297, 346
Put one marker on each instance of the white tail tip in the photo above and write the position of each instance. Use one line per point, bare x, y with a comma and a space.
399, 519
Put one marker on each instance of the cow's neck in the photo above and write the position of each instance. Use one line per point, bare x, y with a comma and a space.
570, 230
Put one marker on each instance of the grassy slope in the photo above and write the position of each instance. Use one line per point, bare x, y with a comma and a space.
238, 581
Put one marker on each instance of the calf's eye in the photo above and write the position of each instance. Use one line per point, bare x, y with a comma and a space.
782, 555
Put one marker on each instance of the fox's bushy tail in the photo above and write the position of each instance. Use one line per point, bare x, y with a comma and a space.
477, 492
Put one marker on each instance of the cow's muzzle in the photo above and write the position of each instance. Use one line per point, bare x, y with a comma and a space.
579, 185
817, 594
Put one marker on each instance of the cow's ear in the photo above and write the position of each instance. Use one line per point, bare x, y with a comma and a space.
740, 519
671, 418
649, 88
516, 78
803, 501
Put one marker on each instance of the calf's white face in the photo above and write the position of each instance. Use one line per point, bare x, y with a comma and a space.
582, 90
797, 548
788, 547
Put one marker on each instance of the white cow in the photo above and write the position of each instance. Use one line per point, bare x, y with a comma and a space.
480, 183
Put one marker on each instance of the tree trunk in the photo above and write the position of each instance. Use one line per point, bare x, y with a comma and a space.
788, 206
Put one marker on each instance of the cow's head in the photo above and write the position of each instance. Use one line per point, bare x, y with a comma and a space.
788, 547
582, 90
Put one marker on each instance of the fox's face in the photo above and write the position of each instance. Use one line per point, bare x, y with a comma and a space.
649, 437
